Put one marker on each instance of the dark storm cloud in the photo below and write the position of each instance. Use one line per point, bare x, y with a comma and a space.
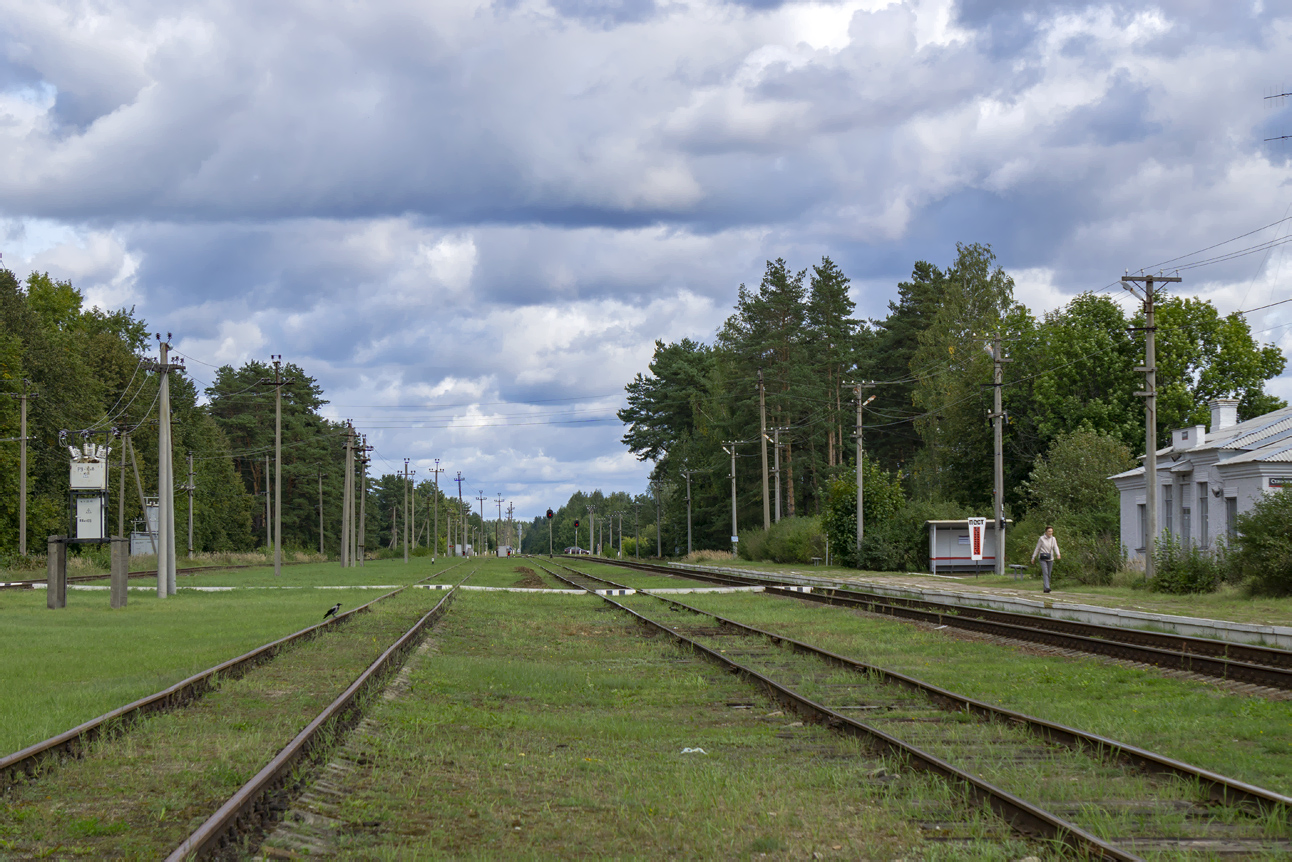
482, 202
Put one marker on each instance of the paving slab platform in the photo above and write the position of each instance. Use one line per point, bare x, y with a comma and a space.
1001, 599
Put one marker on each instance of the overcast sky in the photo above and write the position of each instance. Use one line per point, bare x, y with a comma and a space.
476, 217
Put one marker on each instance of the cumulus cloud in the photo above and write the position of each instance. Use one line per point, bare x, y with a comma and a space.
499, 204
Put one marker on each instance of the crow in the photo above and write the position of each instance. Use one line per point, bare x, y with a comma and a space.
332, 610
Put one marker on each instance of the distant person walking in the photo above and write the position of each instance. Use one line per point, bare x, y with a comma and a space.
1047, 551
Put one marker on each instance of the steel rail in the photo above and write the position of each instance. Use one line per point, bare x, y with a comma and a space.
1268, 666
1099, 644
250, 806
1220, 788
25, 762
1021, 815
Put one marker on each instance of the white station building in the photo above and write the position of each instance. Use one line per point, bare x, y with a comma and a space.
1206, 478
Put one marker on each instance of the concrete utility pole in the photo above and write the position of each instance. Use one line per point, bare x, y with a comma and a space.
405, 510
320, 512
347, 495
637, 538
776, 470
165, 476
762, 439
687, 473
497, 530
592, 520
1149, 395
511, 511
659, 525
861, 498
735, 534
191, 488
482, 498
435, 545
23, 397
278, 383
360, 535
462, 523
620, 513
412, 506
998, 435
269, 531
121, 492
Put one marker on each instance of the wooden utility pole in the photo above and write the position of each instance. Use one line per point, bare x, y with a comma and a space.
483, 538
1148, 297
762, 440
23, 397
858, 388
735, 534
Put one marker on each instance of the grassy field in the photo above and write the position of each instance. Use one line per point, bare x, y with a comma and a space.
138, 797
64, 667
549, 727
1236, 735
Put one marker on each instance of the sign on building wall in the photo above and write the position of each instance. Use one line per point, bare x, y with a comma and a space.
1281, 481
977, 532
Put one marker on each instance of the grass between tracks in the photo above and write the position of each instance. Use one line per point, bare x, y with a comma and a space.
1227, 603
547, 726
63, 667
138, 796
1236, 735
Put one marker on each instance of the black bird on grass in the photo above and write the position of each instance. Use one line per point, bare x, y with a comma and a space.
332, 610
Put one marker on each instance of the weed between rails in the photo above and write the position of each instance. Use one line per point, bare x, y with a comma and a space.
550, 727
144, 792
1235, 735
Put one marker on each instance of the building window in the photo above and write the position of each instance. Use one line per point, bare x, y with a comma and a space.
1143, 526
1166, 509
1204, 528
1185, 524
1231, 517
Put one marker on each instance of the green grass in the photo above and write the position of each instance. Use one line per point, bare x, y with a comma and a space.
1228, 603
139, 796
318, 574
67, 666
1236, 735
549, 727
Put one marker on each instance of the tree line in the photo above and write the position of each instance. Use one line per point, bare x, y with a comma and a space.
928, 430
89, 371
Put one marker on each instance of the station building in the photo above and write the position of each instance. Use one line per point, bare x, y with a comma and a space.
1207, 477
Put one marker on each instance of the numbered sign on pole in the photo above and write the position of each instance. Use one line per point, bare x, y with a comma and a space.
977, 533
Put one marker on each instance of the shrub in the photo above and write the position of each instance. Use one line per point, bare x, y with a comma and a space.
900, 542
1090, 556
791, 540
1185, 570
882, 500
1262, 554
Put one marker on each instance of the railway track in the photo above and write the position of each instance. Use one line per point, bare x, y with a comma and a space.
1248, 663
28, 762
1099, 797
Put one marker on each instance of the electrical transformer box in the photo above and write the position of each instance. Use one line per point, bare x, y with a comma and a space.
89, 476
